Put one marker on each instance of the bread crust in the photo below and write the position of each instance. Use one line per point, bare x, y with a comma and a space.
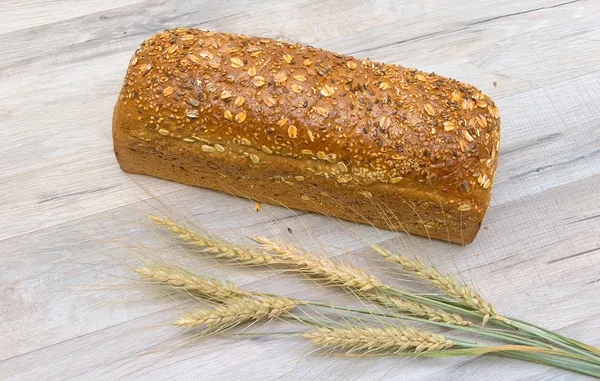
306, 128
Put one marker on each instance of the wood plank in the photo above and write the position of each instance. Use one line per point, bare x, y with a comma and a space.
71, 222
18, 15
60, 316
102, 64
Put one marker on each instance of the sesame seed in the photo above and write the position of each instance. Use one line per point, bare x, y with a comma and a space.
207, 148
163, 132
266, 149
255, 159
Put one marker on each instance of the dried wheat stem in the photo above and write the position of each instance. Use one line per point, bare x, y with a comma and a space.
220, 248
323, 267
446, 283
392, 339
419, 309
238, 312
181, 279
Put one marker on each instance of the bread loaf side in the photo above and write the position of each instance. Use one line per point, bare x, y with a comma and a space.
289, 124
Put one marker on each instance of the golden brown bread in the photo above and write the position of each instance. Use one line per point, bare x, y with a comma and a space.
290, 124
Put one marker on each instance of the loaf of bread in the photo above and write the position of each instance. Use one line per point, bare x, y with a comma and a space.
306, 128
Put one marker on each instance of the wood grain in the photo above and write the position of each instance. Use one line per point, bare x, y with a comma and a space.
69, 308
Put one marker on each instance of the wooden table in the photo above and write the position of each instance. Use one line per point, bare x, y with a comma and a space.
71, 222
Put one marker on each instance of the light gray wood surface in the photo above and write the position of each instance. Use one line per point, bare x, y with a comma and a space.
70, 308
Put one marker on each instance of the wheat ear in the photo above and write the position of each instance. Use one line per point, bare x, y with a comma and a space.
220, 248
238, 312
178, 278
446, 283
323, 267
419, 309
391, 339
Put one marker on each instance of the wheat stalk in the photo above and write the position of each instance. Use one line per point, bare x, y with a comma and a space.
213, 289
390, 339
419, 309
323, 267
220, 248
239, 312
446, 283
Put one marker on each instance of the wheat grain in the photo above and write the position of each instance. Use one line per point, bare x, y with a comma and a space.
446, 283
341, 274
178, 278
238, 312
419, 309
219, 248
391, 339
